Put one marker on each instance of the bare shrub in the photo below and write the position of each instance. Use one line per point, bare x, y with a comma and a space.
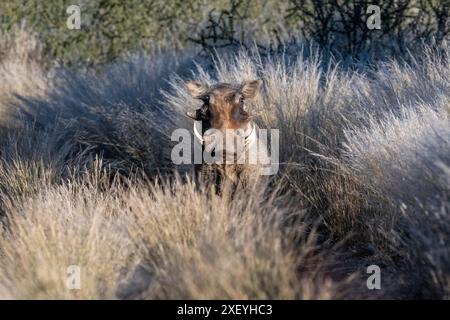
340, 26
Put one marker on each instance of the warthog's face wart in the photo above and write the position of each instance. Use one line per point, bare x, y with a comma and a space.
224, 107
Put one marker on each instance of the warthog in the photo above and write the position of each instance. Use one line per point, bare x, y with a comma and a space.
225, 115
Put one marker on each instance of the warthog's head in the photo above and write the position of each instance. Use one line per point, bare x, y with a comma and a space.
224, 108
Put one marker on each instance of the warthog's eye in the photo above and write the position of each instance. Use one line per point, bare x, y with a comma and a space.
205, 99
241, 101
242, 107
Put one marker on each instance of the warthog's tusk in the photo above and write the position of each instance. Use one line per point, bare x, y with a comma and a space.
197, 134
251, 138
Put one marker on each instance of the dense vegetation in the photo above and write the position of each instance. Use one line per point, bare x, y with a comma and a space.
111, 28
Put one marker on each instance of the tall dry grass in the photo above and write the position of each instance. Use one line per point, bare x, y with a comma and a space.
158, 241
85, 179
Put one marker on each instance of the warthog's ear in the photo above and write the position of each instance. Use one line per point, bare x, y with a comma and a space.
196, 89
250, 89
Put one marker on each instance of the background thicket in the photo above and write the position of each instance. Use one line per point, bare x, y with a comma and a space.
111, 28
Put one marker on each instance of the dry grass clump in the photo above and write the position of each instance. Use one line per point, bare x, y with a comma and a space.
215, 247
59, 228
192, 244
21, 73
116, 112
31, 161
412, 174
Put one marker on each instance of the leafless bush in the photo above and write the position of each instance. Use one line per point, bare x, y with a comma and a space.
340, 26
